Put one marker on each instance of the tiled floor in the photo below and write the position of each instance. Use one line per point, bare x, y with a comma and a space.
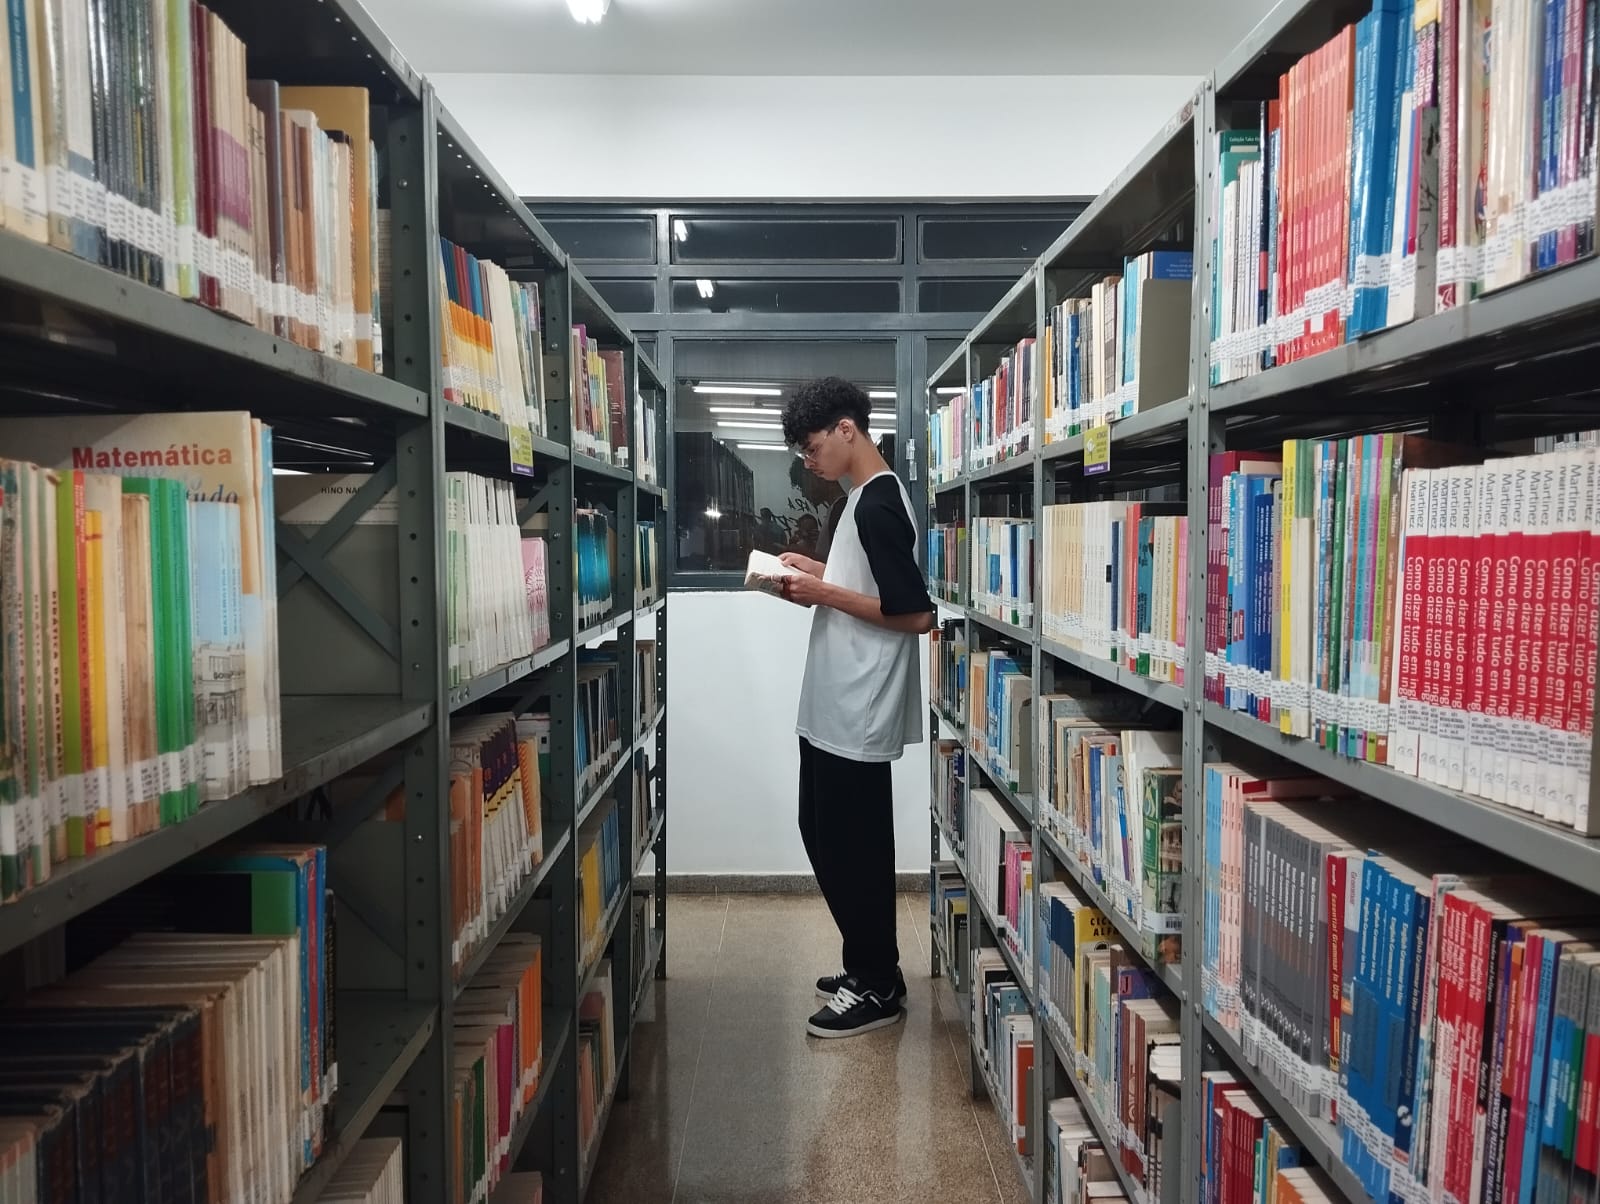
732, 1103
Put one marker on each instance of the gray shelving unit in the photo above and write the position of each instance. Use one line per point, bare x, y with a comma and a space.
1511, 365
130, 347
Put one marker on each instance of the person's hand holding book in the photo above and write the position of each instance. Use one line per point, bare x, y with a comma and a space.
805, 564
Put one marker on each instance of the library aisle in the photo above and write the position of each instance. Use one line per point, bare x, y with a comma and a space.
732, 1102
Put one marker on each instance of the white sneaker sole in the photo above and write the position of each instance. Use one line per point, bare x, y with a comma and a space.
828, 1033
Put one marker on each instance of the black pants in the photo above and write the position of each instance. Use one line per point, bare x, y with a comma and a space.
847, 823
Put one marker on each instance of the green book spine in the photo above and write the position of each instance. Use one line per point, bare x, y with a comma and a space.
12, 671
192, 767
69, 550
156, 489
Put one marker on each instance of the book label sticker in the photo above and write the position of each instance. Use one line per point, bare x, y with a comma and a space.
1096, 450
520, 440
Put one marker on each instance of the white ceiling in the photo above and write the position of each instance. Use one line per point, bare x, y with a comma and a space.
822, 37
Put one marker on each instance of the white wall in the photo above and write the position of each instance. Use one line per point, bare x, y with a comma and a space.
687, 137
734, 663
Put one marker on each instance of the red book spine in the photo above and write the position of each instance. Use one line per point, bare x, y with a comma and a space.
1527, 1010
1433, 622
1465, 561
1556, 701
1520, 626
1479, 665
1469, 1007
1336, 873
1587, 1136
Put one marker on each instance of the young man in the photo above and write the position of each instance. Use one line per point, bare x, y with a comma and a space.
861, 701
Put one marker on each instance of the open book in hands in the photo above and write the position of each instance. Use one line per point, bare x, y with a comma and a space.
766, 572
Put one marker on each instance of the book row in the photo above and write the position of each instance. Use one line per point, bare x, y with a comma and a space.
947, 554
599, 402
647, 438
1004, 1035
947, 669
642, 917
1116, 583
1402, 603
496, 825
647, 564
999, 853
600, 732
597, 559
1432, 998
1248, 1155
374, 1172
1002, 569
1003, 406
949, 792
1122, 349
1000, 725
188, 1043
489, 621
1115, 804
138, 610
600, 876
646, 687
948, 425
138, 141
1430, 153
950, 920
490, 340
646, 808
497, 1047
1117, 1029
597, 1054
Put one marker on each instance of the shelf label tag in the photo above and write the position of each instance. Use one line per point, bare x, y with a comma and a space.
520, 439
1097, 450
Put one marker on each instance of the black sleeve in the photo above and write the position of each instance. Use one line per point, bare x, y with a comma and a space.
889, 540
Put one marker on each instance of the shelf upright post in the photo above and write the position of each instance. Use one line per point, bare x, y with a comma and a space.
558, 1125
1041, 1084
930, 500
627, 576
969, 499
1204, 436
419, 460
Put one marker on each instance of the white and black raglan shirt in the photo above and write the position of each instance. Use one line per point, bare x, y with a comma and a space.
862, 694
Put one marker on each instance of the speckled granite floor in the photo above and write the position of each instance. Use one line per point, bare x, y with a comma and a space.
732, 1103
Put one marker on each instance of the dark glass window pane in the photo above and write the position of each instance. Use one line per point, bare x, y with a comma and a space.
647, 344
786, 296
989, 237
961, 296
605, 239
628, 296
732, 499
745, 239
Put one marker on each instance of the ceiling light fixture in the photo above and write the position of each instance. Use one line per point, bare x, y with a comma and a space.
752, 426
951, 391
713, 512
680, 229
588, 12
740, 390
881, 394
745, 411
761, 447
707, 289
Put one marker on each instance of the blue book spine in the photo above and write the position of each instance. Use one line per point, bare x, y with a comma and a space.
1549, 169
1359, 1065
1411, 1009
1168, 265
1536, 1081
1263, 611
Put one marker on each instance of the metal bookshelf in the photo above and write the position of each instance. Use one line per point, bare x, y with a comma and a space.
81, 338
1504, 367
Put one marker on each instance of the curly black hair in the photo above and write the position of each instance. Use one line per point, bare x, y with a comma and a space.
818, 404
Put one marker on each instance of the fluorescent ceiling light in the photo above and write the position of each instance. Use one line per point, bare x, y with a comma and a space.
680, 229
881, 394
752, 426
288, 472
713, 512
761, 447
588, 12
740, 390
746, 411
951, 391
707, 289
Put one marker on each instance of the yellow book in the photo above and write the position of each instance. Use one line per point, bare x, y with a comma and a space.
103, 496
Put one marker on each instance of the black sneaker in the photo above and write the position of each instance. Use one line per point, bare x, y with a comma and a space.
854, 1010
828, 987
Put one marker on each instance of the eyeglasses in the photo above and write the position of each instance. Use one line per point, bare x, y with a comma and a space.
813, 445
